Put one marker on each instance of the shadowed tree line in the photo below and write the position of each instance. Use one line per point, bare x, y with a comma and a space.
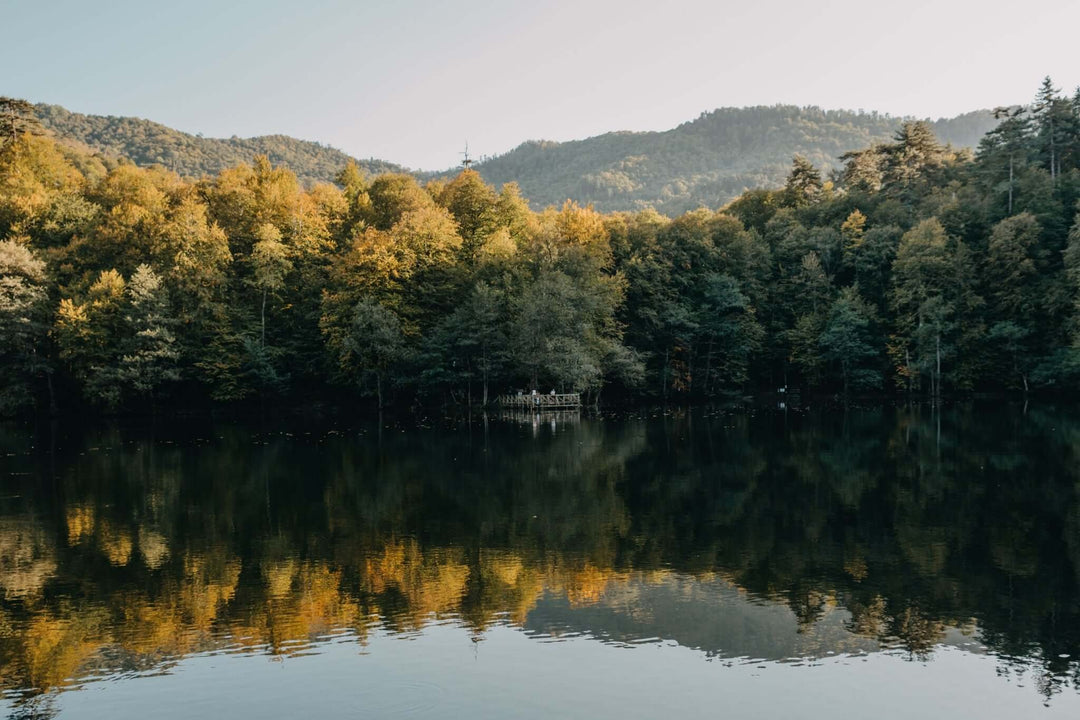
913, 268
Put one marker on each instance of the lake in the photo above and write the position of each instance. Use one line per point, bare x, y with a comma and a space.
905, 561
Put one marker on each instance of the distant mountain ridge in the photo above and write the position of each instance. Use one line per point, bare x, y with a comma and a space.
706, 161
145, 142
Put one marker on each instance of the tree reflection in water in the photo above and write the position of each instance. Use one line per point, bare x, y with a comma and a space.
741, 534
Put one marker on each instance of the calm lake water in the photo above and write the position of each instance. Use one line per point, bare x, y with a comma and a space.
883, 562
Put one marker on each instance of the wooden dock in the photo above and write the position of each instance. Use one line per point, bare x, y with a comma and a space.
540, 401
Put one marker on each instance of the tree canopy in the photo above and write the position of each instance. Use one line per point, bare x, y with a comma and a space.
913, 267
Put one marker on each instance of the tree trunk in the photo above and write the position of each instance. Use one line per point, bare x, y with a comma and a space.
263, 316
1010, 183
690, 371
663, 376
484, 373
907, 368
1053, 175
708, 367
937, 364
378, 388
52, 392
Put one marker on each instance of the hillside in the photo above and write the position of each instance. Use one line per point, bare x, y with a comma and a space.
147, 143
707, 161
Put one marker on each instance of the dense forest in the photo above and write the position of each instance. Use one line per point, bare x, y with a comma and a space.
706, 162
702, 163
914, 268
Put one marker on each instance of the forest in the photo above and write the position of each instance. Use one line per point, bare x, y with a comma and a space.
707, 161
913, 267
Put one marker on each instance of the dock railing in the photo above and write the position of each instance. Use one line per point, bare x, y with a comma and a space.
541, 401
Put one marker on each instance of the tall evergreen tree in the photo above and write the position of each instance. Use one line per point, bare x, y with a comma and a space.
1004, 151
16, 118
1050, 115
804, 184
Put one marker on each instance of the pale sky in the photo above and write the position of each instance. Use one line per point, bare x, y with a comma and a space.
410, 81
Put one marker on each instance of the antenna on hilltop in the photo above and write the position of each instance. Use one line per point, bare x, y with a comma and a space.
466, 160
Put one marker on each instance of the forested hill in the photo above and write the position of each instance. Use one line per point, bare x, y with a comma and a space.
705, 162
148, 143
917, 269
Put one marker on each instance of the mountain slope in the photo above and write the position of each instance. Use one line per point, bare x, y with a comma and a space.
145, 143
707, 161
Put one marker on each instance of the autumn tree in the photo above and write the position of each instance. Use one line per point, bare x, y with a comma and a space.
270, 264
472, 203
89, 331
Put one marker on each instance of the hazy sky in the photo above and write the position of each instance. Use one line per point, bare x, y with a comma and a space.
410, 81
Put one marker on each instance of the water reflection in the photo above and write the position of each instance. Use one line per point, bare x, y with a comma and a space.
749, 535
